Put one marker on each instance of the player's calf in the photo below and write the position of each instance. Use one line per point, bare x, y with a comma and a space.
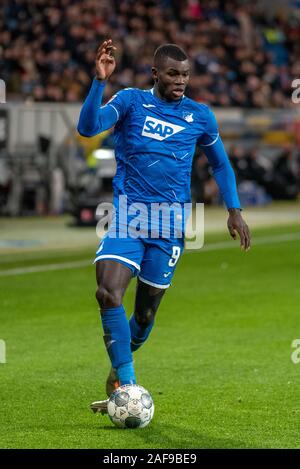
147, 301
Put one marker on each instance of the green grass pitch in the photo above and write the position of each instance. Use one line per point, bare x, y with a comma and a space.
218, 363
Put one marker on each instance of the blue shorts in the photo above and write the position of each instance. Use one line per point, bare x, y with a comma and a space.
152, 260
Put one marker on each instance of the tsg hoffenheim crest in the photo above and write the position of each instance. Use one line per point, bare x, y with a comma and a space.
188, 116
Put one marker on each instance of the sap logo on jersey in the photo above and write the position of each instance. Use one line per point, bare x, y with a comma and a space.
159, 130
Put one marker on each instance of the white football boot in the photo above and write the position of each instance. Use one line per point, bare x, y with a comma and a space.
112, 383
99, 406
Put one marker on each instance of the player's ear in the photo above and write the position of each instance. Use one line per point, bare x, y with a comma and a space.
154, 73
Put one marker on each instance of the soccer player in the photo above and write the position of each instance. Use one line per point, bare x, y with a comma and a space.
155, 132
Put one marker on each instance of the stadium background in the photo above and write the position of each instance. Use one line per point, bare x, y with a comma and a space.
233, 316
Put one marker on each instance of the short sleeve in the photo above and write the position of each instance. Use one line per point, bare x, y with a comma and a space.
121, 102
211, 131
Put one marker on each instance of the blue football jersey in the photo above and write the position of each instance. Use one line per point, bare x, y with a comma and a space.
155, 143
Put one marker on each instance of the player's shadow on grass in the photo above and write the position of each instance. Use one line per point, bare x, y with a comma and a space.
176, 437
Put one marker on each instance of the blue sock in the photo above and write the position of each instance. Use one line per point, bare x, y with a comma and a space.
117, 342
139, 334
126, 373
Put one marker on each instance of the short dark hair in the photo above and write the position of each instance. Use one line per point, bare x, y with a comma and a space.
169, 50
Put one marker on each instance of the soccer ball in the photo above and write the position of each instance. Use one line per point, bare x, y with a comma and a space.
130, 406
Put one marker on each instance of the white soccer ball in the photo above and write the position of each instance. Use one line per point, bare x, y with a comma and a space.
130, 406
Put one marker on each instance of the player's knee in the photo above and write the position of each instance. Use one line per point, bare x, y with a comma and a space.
147, 303
108, 298
145, 318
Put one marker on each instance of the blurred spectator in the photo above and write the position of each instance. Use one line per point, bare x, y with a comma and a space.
285, 181
280, 179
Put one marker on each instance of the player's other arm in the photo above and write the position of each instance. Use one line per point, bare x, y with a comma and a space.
212, 145
93, 118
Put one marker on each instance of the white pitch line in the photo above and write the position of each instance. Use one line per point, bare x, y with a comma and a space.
210, 247
45, 268
233, 244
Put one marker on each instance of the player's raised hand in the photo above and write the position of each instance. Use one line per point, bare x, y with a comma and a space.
236, 224
105, 61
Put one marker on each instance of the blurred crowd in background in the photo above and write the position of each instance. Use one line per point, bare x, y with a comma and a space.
241, 54
260, 179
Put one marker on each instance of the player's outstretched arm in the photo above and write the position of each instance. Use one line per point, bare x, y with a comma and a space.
225, 178
93, 118
212, 145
